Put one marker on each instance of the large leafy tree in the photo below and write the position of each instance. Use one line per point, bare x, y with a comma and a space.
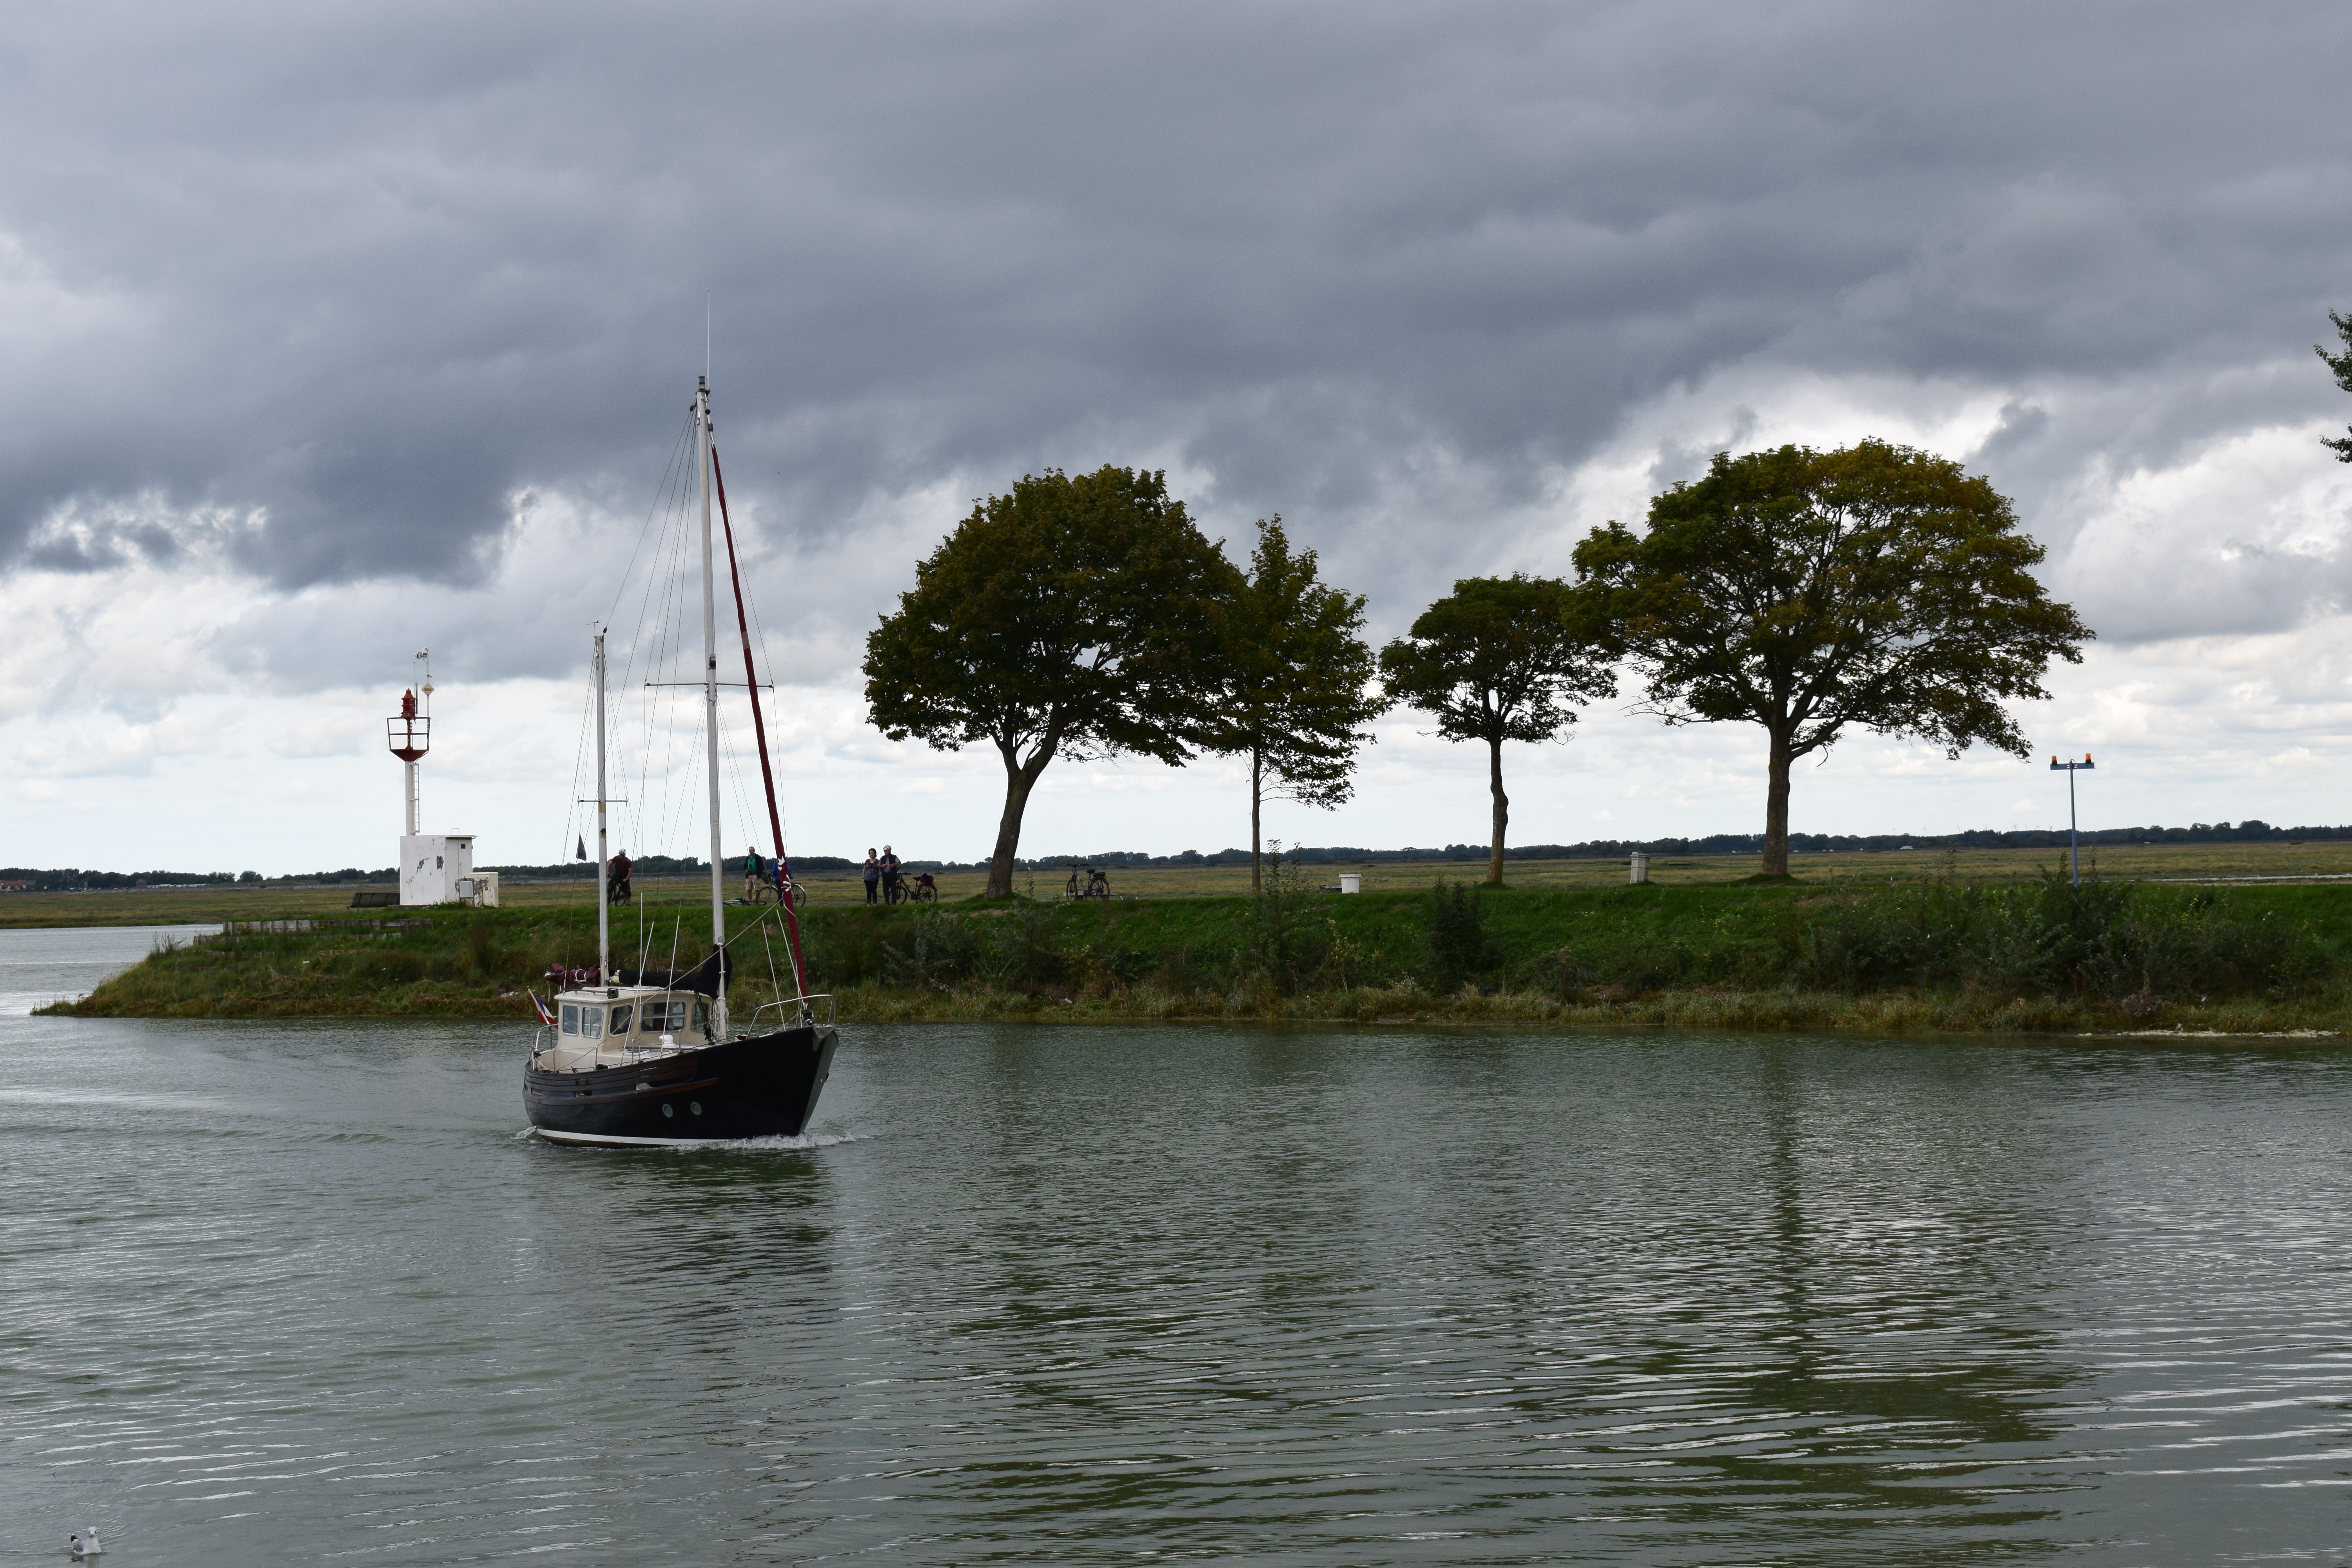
1873, 586
1296, 674
1498, 660
2342, 365
1073, 616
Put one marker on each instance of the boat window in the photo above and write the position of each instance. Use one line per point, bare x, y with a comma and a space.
701, 1018
572, 1017
620, 1020
671, 1017
591, 1023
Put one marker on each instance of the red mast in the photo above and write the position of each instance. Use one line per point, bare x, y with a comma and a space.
760, 729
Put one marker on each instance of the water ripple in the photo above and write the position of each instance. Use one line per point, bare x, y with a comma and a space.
302, 1293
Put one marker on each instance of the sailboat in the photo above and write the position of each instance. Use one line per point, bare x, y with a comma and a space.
651, 1057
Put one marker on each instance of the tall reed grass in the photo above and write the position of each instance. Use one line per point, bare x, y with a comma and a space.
2111, 941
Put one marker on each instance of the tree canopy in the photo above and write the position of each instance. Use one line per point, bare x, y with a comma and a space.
1496, 660
2342, 365
1296, 672
1072, 615
1874, 585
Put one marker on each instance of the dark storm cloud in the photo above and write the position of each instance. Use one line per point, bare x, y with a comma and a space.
375, 272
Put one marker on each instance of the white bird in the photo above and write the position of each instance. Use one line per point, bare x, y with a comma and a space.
85, 1544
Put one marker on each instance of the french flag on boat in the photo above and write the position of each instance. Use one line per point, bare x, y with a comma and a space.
545, 1016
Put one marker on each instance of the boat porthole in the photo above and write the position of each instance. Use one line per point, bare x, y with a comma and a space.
669, 1111
695, 1106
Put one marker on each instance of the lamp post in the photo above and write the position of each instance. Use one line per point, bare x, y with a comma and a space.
2073, 832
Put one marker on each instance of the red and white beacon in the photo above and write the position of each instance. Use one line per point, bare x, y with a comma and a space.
435, 868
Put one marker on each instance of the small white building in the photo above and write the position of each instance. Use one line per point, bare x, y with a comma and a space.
439, 869
435, 868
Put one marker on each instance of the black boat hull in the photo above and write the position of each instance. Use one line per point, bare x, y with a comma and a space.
764, 1086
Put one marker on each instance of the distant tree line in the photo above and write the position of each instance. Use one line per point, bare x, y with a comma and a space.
2249, 831
72, 879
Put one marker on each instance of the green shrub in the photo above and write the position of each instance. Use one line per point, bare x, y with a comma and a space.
1287, 943
1454, 938
935, 952
2110, 941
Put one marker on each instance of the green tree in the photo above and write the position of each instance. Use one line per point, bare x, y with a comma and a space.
1497, 660
1808, 591
1073, 616
2342, 365
1297, 671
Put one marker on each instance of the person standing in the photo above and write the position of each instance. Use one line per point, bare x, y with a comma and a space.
751, 877
873, 873
890, 894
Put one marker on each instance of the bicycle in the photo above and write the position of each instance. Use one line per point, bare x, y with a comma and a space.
766, 893
1086, 882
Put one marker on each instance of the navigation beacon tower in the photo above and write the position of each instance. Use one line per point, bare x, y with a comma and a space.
435, 868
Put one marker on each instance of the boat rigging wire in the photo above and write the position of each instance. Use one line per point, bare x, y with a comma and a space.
760, 729
760, 633
670, 502
671, 467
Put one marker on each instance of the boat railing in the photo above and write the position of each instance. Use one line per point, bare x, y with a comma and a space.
797, 1014
558, 1058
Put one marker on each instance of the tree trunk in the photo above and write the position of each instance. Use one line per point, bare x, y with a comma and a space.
1502, 811
1776, 810
1019, 780
1257, 780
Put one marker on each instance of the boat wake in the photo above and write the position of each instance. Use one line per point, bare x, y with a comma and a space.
777, 1143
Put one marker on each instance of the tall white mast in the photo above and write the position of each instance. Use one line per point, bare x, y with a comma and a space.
710, 689
425, 711
603, 853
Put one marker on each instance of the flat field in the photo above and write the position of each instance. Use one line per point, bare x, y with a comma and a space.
2163, 862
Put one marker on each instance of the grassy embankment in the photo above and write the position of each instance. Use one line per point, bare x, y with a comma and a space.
1948, 950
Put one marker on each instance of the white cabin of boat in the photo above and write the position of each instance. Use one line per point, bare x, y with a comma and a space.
614, 1025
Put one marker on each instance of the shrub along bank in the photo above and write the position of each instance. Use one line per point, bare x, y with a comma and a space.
1943, 952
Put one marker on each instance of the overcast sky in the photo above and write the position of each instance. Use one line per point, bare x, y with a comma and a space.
328, 333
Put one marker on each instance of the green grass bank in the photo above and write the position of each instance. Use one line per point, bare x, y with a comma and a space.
1945, 953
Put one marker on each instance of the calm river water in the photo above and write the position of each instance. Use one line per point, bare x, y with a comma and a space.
301, 1293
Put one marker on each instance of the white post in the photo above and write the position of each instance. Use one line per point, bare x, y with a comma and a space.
603, 853
2074, 830
413, 828
710, 694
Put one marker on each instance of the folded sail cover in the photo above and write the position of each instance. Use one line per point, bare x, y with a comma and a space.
708, 978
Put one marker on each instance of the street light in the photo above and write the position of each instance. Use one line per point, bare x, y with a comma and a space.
2074, 833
